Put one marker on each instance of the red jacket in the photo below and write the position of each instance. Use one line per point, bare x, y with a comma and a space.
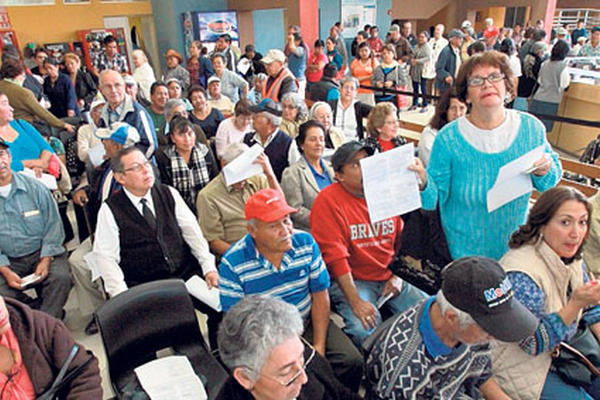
348, 241
45, 344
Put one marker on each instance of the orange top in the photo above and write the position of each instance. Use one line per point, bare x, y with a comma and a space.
363, 72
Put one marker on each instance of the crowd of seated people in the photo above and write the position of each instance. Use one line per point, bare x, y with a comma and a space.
294, 243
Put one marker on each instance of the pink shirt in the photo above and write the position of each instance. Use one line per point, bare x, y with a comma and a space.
315, 76
17, 384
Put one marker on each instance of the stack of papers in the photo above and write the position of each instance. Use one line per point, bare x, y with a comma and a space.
170, 378
198, 288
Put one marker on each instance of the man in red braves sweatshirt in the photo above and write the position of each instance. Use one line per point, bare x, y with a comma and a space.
356, 251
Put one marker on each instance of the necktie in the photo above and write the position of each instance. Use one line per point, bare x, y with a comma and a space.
147, 213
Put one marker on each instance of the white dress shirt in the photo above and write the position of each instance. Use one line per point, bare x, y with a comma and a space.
293, 153
345, 119
107, 247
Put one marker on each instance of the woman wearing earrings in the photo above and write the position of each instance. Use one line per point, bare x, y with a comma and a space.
468, 153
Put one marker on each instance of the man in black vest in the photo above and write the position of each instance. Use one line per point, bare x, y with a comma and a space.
279, 147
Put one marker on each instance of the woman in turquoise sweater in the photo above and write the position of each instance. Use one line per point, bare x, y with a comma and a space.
468, 153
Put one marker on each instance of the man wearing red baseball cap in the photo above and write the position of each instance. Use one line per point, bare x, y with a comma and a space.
490, 38
274, 259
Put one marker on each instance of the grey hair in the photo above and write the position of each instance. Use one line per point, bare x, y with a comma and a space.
275, 120
316, 106
233, 151
171, 104
141, 53
261, 76
464, 319
347, 79
251, 330
298, 102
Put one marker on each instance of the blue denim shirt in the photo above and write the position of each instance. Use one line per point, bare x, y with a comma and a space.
29, 221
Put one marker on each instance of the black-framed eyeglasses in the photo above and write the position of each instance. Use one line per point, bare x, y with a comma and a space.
297, 374
494, 77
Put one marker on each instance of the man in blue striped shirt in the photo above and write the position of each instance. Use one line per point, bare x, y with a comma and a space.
274, 259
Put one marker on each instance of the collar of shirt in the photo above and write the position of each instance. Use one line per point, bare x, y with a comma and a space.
16, 82
251, 253
435, 346
17, 183
256, 137
136, 200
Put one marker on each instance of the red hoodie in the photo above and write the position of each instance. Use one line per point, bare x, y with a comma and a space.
340, 224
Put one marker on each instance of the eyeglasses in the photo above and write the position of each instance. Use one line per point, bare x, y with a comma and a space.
491, 78
137, 167
297, 374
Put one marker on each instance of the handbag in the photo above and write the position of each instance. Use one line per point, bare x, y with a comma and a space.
63, 378
578, 361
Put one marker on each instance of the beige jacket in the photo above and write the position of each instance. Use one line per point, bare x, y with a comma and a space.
521, 375
591, 250
301, 189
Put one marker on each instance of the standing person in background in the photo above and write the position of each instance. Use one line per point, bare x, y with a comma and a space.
175, 70
407, 33
199, 66
223, 46
361, 37
316, 64
281, 80
578, 32
362, 68
253, 58
85, 87
340, 45
296, 53
333, 54
553, 79
231, 83
592, 48
387, 75
449, 61
422, 59
143, 73
109, 58
508, 47
403, 50
375, 42
437, 43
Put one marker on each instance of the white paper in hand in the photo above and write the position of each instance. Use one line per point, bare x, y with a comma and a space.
243, 66
243, 166
171, 377
390, 188
198, 288
513, 181
96, 154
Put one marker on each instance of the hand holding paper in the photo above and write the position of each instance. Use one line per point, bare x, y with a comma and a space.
243, 166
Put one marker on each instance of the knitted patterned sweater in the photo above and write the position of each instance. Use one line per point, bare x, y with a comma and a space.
459, 177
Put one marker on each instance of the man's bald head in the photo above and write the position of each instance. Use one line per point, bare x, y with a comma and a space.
112, 87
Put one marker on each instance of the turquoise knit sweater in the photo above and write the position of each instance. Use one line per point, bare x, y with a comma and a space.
459, 177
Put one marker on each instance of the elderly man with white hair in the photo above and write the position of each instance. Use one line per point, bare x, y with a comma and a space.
440, 348
281, 80
279, 147
120, 107
260, 341
220, 207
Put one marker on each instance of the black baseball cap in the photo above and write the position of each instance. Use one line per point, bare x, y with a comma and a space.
344, 154
479, 286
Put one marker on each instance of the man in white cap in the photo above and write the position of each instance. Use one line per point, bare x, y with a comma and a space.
281, 80
218, 100
92, 192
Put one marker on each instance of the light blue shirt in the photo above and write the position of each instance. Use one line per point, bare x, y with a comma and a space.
29, 221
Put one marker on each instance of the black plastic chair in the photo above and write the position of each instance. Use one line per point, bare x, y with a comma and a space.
137, 323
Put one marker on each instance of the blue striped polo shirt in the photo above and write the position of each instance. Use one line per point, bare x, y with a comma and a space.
244, 271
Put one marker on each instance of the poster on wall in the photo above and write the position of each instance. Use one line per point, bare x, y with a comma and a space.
356, 14
211, 25
76, 1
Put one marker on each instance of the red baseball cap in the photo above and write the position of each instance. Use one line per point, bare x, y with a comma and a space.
491, 31
267, 205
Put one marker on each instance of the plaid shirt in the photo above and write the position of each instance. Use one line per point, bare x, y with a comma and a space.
118, 62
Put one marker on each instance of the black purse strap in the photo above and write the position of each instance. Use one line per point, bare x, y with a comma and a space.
63, 378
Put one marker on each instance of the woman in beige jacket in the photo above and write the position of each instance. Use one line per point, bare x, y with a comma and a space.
545, 268
301, 182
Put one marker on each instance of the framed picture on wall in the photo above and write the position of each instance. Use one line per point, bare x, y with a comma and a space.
76, 1
26, 2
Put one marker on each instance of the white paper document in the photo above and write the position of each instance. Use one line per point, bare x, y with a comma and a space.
198, 288
96, 154
170, 378
48, 180
513, 180
243, 65
243, 166
390, 188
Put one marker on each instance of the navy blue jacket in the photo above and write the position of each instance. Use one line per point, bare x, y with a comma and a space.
445, 66
61, 95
